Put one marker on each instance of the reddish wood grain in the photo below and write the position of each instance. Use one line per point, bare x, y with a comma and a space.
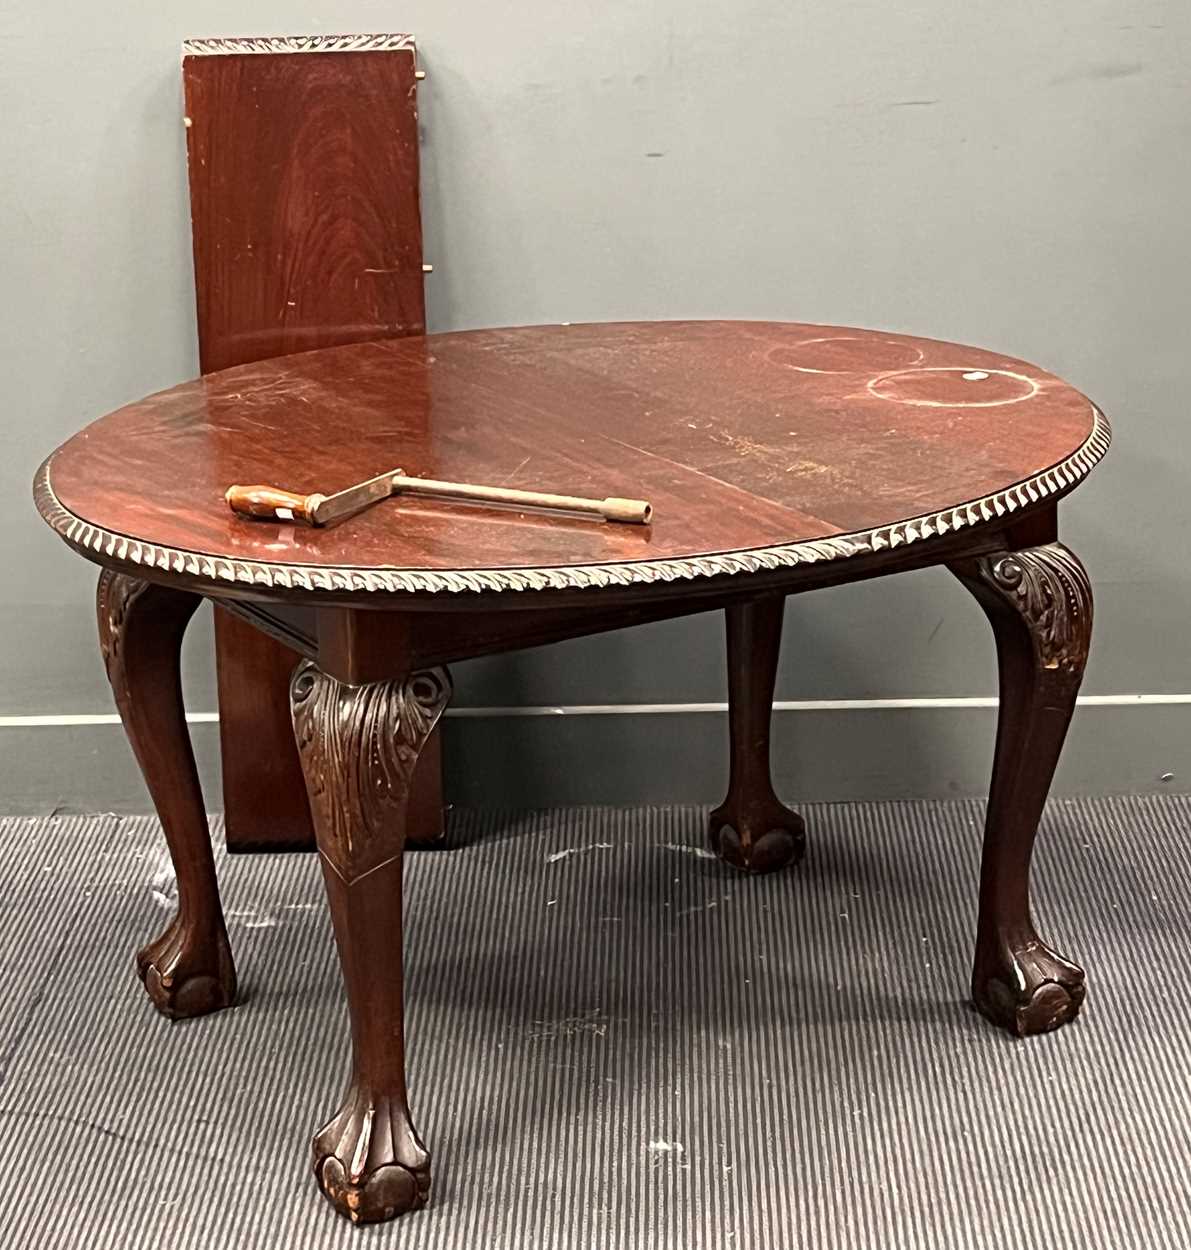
304, 201
742, 435
264, 804
307, 233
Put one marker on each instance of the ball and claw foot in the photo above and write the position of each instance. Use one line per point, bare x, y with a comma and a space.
185, 978
760, 837
1029, 990
369, 1161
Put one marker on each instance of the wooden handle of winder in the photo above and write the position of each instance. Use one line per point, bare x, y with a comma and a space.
273, 504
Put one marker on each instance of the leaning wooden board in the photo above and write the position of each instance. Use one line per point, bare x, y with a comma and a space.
307, 231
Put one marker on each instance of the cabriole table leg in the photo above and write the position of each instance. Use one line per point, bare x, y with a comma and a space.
359, 746
1039, 602
752, 829
188, 970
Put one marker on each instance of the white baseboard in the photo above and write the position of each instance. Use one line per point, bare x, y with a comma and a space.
60, 719
659, 753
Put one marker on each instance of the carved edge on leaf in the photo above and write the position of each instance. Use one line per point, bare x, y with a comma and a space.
359, 746
1051, 591
115, 596
106, 547
297, 43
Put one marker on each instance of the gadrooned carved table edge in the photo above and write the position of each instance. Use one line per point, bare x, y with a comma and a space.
105, 546
297, 43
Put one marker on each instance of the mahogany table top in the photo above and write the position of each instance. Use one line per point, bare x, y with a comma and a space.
759, 445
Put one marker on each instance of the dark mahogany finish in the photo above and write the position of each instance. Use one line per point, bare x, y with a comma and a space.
779, 458
1039, 602
188, 970
359, 747
753, 829
724, 427
304, 199
264, 802
307, 233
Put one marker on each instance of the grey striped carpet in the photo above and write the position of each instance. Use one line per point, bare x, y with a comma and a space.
615, 1042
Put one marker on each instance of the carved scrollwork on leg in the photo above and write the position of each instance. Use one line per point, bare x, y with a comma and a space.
359, 747
1039, 602
116, 594
1049, 589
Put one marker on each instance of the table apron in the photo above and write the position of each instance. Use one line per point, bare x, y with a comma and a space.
378, 640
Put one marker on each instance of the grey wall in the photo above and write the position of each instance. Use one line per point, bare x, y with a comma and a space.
1009, 174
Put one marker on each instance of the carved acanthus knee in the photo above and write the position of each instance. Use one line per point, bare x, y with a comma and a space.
1049, 590
1039, 601
359, 746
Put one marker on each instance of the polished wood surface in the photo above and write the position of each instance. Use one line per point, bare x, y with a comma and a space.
752, 828
740, 434
264, 800
307, 233
1039, 603
304, 200
360, 746
188, 969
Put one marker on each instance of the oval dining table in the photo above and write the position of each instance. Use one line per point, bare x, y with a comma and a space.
778, 458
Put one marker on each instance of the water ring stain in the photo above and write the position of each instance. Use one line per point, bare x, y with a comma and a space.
845, 353
961, 387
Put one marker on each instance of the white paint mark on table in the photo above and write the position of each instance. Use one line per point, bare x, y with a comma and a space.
517, 470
